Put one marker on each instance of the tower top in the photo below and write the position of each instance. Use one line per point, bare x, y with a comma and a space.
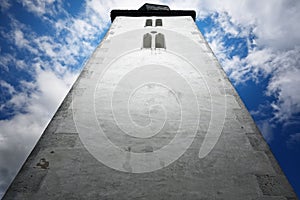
148, 10
151, 7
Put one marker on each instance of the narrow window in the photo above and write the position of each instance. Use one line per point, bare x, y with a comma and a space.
158, 22
148, 22
147, 40
160, 41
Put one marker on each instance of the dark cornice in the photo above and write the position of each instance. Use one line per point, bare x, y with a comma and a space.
148, 10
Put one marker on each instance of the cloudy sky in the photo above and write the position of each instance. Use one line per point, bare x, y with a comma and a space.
45, 43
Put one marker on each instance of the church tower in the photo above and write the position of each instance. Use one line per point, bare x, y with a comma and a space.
151, 116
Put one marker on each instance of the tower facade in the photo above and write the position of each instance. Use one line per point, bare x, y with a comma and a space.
151, 116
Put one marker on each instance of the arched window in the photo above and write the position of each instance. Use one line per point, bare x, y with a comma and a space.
147, 40
160, 41
148, 22
158, 22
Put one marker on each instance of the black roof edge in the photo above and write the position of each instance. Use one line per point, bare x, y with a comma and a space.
151, 6
147, 13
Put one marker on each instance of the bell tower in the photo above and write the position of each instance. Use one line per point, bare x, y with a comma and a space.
151, 116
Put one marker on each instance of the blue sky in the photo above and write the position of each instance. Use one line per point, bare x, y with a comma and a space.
44, 44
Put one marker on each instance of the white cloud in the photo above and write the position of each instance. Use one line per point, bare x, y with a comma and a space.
227, 24
46, 45
8, 59
9, 87
254, 66
275, 52
4, 5
293, 141
20, 64
276, 21
285, 84
4, 60
283, 67
22, 42
266, 129
38, 7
